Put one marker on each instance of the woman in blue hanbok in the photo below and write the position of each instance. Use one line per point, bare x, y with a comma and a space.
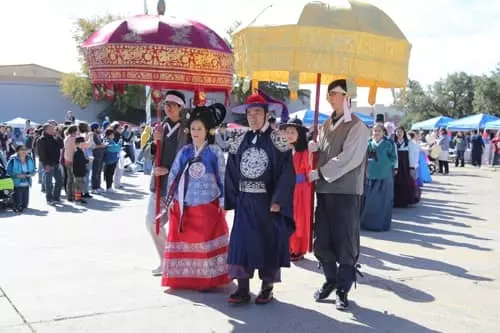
197, 241
379, 189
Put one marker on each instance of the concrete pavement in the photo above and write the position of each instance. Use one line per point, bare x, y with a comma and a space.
76, 269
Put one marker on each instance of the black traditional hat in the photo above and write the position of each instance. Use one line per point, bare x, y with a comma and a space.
295, 122
211, 116
339, 86
379, 118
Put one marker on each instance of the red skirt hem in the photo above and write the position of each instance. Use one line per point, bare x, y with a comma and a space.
196, 283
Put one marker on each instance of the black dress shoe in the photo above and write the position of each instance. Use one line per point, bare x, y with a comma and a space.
324, 292
87, 196
341, 302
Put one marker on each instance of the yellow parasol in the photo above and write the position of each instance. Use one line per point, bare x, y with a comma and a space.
323, 42
343, 39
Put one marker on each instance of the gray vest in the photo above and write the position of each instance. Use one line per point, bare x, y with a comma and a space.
330, 145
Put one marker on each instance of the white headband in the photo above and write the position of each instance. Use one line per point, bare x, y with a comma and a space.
174, 99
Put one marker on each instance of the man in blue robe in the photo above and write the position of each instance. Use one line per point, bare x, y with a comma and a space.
259, 186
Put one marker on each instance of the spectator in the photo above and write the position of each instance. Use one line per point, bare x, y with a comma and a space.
49, 152
69, 151
99, 149
21, 168
80, 170
111, 157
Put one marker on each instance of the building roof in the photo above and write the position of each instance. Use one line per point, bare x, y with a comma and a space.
30, 73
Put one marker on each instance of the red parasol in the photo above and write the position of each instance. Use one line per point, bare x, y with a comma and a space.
162, 52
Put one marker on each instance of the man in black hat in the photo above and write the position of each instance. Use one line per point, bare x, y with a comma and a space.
339, 177
172, 137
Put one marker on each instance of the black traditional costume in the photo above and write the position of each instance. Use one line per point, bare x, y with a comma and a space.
259, 173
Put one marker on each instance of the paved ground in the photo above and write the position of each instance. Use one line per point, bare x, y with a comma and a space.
88, 270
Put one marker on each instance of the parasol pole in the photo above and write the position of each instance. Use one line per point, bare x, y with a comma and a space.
147, 88
161, 11
314, 155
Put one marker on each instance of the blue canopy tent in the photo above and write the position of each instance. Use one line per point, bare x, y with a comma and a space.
433, 123
475, 122
307, 117
493, 125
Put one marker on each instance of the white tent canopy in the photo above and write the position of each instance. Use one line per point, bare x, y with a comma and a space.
19, 123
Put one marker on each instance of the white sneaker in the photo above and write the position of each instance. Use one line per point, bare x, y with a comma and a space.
110, 190
158, 271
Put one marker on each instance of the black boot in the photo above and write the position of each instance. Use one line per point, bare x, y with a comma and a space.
341, 301
266, 294
242, 294
330, 272
324, 292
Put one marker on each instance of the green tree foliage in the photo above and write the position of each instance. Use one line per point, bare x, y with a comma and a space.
77, 88
457, 95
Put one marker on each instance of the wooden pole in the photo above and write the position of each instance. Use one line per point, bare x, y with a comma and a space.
315, 155
159, 127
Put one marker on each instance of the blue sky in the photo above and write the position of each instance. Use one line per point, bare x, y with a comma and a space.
447, 35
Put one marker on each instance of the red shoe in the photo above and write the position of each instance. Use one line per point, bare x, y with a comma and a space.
265, 296
239, 297
296, 257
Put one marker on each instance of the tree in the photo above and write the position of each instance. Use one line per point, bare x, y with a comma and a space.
77, 88
487, 94
453, 96
417, 104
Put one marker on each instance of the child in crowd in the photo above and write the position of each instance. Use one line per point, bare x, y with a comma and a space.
80, 162
21, 168
111, 158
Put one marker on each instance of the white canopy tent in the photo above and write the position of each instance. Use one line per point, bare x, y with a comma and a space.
19, 123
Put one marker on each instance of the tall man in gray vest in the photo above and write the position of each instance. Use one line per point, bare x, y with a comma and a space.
339, 177
172, 137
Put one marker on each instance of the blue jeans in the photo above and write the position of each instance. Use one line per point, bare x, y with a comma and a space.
53, 191
21, 197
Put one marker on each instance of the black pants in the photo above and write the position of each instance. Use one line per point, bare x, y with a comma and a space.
444, 165
21, 197
109, 171
336, 237
97, 165
129, 152
460, 158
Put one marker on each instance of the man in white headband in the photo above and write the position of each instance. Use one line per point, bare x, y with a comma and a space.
172, 137
339, 176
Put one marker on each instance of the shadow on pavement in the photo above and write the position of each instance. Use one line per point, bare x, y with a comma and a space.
400, 289
285, 317
26, 212
101, 205
369, 256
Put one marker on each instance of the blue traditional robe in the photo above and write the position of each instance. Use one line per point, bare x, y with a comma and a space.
205, 175
259, 172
